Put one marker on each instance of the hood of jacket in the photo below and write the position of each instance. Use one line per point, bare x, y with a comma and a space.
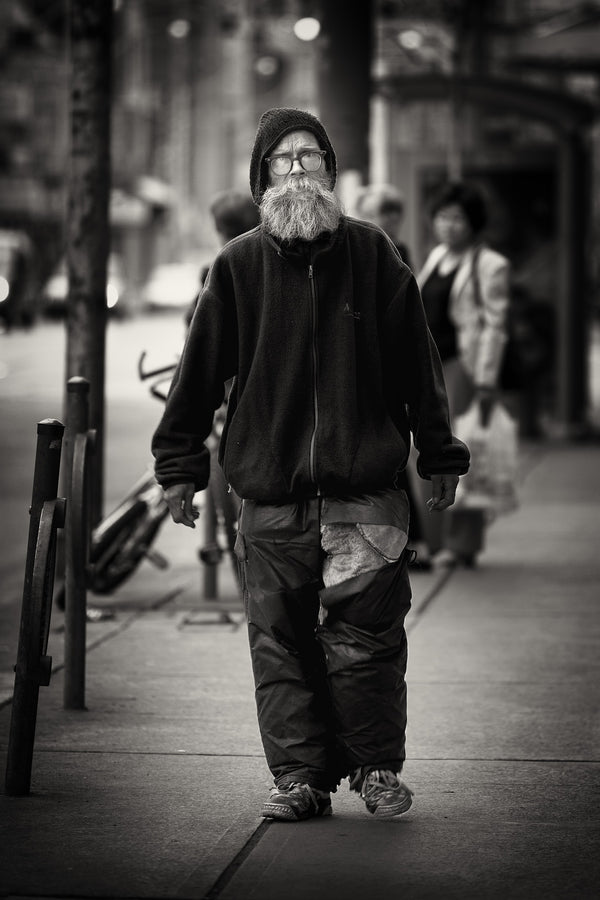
274, 124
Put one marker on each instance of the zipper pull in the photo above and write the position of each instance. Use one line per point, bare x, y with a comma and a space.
310, 271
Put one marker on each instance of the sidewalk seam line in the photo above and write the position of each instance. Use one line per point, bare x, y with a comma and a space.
237, 862
417, 612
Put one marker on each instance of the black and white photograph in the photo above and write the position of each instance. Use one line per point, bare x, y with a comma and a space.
300, 456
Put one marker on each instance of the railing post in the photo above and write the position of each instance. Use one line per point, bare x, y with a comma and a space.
210, 554
26, 692
75, 559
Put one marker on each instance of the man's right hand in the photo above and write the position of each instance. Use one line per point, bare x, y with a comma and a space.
180, 499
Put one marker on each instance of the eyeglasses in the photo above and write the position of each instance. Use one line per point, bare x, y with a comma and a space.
310, 160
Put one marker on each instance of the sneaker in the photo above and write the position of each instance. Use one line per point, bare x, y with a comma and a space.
296, 802
385, 794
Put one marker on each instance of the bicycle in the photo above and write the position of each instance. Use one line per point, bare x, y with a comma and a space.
124, 538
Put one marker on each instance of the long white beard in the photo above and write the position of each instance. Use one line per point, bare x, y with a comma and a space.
300, 208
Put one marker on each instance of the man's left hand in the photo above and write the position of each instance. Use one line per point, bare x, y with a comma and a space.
443, 490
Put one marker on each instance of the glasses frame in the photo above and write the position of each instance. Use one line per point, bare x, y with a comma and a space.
293, 159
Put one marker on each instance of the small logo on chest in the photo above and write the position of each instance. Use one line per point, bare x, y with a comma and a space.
348, 311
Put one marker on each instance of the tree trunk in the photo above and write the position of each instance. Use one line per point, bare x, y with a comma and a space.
88, 235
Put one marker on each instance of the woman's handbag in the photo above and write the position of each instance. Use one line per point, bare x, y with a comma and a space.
491, 482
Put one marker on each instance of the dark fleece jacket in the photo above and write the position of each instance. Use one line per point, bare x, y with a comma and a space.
333, 365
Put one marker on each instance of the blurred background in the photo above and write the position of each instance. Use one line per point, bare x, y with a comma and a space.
504, 92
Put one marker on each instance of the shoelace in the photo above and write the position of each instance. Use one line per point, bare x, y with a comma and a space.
386, 782
304, 790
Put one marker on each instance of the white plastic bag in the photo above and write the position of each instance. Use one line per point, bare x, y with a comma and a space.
491, 482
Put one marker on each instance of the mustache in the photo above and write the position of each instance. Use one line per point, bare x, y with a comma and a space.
300, 184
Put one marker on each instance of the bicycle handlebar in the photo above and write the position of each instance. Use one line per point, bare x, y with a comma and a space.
153, 373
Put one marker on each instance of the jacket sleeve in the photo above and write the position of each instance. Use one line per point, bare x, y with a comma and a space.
196, 392
421, 394
494, 277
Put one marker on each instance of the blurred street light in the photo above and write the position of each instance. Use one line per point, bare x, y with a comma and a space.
307, 29
179, 28
410, 39
267, 66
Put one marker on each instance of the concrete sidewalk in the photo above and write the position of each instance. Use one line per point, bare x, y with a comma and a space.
154, 790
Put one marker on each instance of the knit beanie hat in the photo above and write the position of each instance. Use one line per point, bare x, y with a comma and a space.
273, 126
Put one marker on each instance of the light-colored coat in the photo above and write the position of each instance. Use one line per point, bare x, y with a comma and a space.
481, 329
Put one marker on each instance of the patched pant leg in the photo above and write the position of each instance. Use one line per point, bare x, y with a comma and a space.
364, 642
281, 559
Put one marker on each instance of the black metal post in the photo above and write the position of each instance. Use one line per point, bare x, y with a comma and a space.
25, 698
210, 555
75, 559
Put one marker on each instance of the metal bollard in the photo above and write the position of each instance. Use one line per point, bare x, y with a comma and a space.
210, 554
27, 683
76, 543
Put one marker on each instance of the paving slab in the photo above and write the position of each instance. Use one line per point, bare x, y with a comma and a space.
503, 722
155, 687
476, 830
527, 645
155, 786
110, 824
179, 587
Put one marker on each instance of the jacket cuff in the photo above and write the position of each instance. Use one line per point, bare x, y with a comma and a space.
452, 460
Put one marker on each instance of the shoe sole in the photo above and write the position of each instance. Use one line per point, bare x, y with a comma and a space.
390, 812
287, 814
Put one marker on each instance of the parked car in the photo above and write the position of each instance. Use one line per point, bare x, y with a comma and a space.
17, 305
172, 285
55, 291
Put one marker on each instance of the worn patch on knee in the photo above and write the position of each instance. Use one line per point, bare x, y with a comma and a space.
353, 549
387, 540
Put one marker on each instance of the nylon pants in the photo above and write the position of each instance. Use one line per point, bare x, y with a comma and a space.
330, 688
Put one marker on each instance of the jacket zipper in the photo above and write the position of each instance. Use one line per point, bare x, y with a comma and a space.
315, 357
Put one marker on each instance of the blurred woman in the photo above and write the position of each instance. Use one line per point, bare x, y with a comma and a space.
383, 204
465, 290
233, 213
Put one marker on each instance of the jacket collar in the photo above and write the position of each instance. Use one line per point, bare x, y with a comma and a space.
301, 252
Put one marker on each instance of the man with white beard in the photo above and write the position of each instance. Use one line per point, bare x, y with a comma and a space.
321, 325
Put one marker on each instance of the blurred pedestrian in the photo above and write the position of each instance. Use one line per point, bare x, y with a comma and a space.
383, 204
322, 325
465, 290
233, 212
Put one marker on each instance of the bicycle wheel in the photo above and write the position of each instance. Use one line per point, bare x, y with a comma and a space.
126, 514
114, 560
